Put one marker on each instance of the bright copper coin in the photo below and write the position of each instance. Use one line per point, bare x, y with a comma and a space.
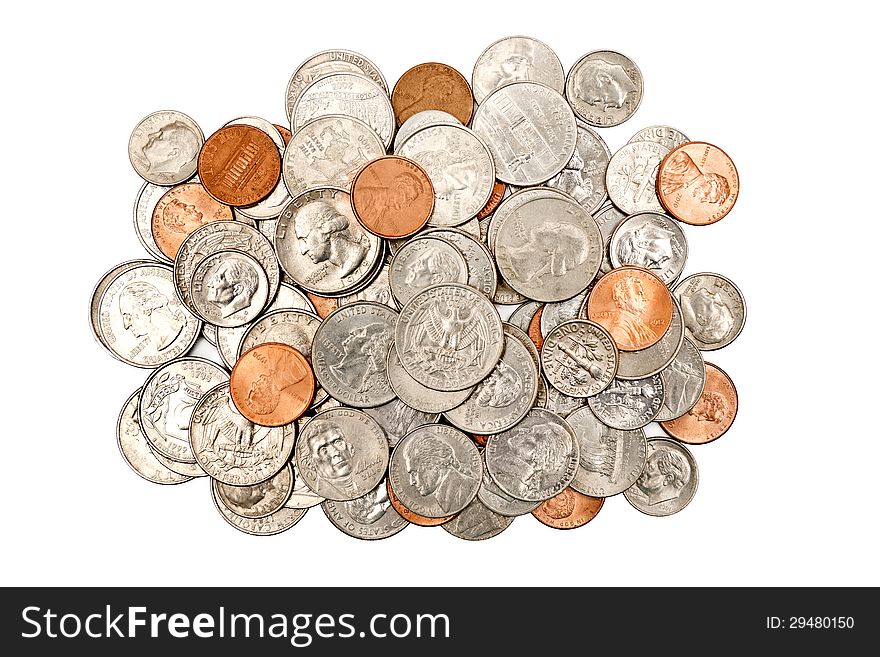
180, 211
432, 86
412, 516
272, 384
713, 414
285, 133
323, 305
568, 510
633, 305
239, 165
498, 190
392, 197
535, 329
480, 440
697, 183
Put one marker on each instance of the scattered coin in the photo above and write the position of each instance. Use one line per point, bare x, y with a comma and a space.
392, 197
713, 413
272, 384
416, 395
257, 500
683, 382
370, 517
651, 241
568, 510
411, 516
604, 88
579, 358
713, 308
432, 86
629, 404
698, 183
239, 165
229, 288
661, 134
477, 522
583, 177
516, 59
164, 147
180, 211
631, 178
669, 481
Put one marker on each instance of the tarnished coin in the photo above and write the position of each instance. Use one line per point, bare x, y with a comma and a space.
180, 211
477, 523
500, 502
608, 217
411, 516
136, 450
284, 132
275, 523
323, 305
604, 88
421, 120
698, 183
239, 165
713, 308
432, 86
378, 291
168, 399
328, 152
516, 59
651, 241
141, 321
661, 134
645, 362
302, 497
629, 404
422, 262
449, 337
436, 470
392, 197
98, 292
257, 500
460, 167
342, 454
414, 394
669, 481
712, 415
610, 459
272, 384
164, 147
370, 517
397, 419
683, 381
231, 448
631, 178
568, 510
229, 288
481, 272
555, 313
583, 177
536, 459
579, 358
272, 205
530, 130
144, 204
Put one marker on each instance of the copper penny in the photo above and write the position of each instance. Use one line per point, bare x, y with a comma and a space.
323, 305
568, 510
180, 211
535, 328
272, 384
633, 305
392, 197
285, 133
713, 414
498, 191
239, 165
697, 183
412, 516
480, 440
432, 86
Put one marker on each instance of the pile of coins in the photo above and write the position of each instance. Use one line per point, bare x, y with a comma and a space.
353, 270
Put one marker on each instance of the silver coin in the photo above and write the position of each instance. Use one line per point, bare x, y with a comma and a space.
209, 332
481, 272
301, 497
524, 339
604, 88
232, 449
530, 130
327, 63
631, 178
397, 419
548, 248
141, 321
524, 313
370, 517
98, 292
669, 481
645, 362
416, 395
328, 152
661, 134
146, 201
516, 59
349, 352
423, 262
435, 471
553, 400
342, 454
136, 450
713, 308
460, 167
229, 288
579, 358
506, 295
500, 502
651, 241
168, 399
183, 469
274, 203
477, 523
561, 311
419, 121
683, 382
257, 500
349, 95
320, 244
610, 459
449, 337
164, 147
583, 177
629, 404
267, 228
378, 291
608, 217
504, 397
280, 521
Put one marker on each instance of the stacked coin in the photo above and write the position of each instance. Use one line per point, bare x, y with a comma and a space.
354, 273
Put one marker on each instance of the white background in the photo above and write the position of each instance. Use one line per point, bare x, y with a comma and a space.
788, 496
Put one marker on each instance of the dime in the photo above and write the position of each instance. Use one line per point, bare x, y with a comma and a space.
230, 448
423, 262
164, 147
568, 510
651, 241
435, 470
698, 183
524, 313
397, 419
562, 311
449, 337
645, 362
258, 500
481, 272
342, 454
516, 59
499, 191
536, 459
421, 120
661, 134
239, 165
229, 288
369, 517
631, 178
583, 177
712, 415
275, 523
604, 88
500, 502
180, 211
378, 291
683, 382
713, 308
272, 384
629, 404
432, 86
579, 358
392, 197
414, 394
610, 459
272, 205
411, 516
302, 497
669, 481
633, 305
608, 217
530, 130
477, 523
147, 198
